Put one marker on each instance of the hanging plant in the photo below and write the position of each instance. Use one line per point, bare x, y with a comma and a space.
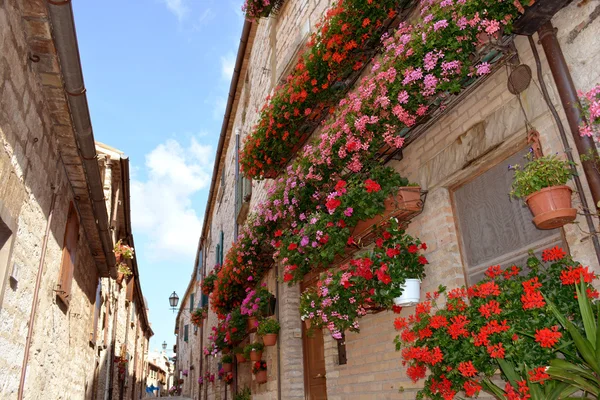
590, 107
123, 251
208, 284
542, 184
255, 9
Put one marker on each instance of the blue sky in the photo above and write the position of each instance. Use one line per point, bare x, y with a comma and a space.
157, 74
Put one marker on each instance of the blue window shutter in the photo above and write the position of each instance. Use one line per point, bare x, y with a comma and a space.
222, 245
185, 332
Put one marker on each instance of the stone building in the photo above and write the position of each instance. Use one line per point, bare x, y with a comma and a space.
160, 373
188, 365
63, 316
457, 153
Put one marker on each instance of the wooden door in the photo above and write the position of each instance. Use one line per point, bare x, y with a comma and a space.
315, 381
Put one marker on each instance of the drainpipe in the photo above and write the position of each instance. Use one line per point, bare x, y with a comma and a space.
36, 293
566, 146
570, 102
236, 187
65, 39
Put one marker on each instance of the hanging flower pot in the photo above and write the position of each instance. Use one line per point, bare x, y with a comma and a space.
227, 367
411, 293
252, 324
261, 377
256, 355
270, 339
307, 323
240, 358
551, 207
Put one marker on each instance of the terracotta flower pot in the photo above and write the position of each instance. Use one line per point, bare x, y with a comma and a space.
406, 199
120, 277
252, 324
240, 358
261, 377
227, 367
307, 323
270, 339
551, 207
256, 355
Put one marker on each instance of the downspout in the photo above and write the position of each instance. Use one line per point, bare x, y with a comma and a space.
65, 39
570, 102
236, 188
36, 292
566, 146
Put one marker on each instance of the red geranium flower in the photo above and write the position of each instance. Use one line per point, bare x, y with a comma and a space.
467, 369
292, 246
413, 248
471, 388
571, 275
553, 254
546, 337
332, 204
538, 375
496, 350
372, 186
423, 260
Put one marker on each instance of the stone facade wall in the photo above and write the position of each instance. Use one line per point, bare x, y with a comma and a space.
63, 362
30, 169
485, 128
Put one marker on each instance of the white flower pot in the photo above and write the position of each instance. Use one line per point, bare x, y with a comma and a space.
411, 293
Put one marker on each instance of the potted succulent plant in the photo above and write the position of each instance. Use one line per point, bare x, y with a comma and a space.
259, 369
254, 351
268, 329
541, 183
239, 354
227, 361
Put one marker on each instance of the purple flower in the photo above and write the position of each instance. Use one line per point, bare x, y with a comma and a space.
304, 241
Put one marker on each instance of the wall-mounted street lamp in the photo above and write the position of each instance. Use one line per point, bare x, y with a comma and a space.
173, 300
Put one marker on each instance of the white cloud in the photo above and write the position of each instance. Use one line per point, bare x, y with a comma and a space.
161, 205
177, 7
227, 66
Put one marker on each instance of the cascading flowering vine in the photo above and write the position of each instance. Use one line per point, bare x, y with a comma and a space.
421, 65
590, 102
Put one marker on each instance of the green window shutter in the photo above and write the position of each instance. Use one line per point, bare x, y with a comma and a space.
219, 254
222, 245
192, 302
204, 300
186, 329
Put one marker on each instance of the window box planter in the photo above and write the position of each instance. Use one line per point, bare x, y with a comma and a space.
551, 207
407, 203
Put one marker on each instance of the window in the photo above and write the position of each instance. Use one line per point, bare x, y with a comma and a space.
192, 302
132, 319
69, 256
97, 308
494, 229
222, 244
218, 254
186, 332
130, 287
6, 239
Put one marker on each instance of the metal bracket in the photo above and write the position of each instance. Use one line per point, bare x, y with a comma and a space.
341, 345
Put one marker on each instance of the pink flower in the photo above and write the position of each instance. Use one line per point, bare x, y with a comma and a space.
483, 68
348, 212
440, 25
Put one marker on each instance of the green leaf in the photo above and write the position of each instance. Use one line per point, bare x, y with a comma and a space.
492, 388
573, 379
509, 371
570, 367
586, 313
